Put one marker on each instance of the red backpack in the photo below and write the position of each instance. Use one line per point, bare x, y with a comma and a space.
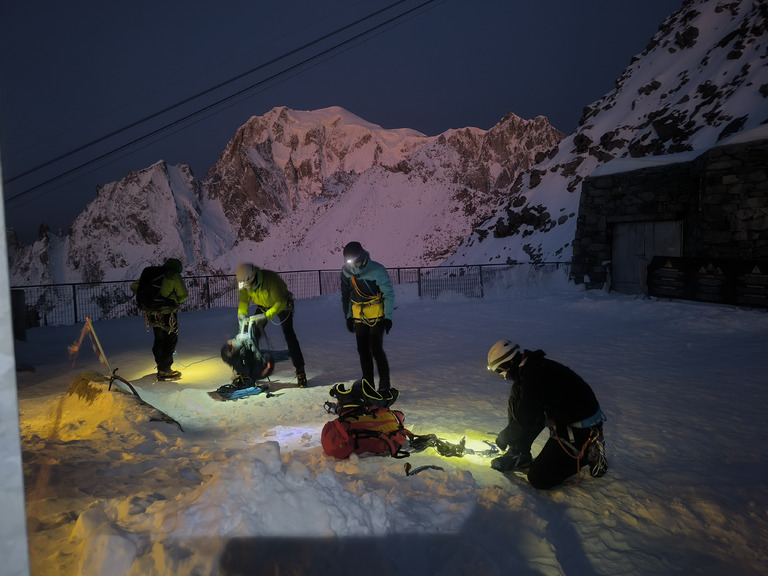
364, 427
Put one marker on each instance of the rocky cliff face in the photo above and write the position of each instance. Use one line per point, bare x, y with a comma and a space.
278, 162
288, 192
702, 77
292, 187
142, 219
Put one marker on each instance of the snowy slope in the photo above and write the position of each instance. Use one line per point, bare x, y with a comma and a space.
247, 489
131, 223
300, 185
292, 187
277, 186
702, 77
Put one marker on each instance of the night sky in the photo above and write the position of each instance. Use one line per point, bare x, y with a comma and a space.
75, 73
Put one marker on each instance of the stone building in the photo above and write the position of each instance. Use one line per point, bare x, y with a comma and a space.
697, 211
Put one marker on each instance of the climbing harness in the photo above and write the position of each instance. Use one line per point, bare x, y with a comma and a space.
289, 309
593, 446
370, 310
157, 320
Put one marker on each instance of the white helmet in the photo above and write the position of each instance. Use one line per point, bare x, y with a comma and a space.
248, 276
500, 353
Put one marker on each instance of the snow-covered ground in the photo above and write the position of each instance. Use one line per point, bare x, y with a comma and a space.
245, 488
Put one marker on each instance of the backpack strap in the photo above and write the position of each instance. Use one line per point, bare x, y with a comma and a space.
356, 434
360, 292
394, 450
362, 394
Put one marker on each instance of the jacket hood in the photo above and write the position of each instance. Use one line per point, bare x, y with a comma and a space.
174, 265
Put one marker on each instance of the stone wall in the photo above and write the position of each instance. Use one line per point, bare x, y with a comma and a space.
731, 220
721, 197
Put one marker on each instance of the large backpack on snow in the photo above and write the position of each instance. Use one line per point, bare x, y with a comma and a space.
365, 423
246, 359
148, 296
361, 395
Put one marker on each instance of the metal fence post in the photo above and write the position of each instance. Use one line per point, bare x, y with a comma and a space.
74, 300
418, 281
49, 307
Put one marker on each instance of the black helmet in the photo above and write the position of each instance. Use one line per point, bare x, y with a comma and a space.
354, 255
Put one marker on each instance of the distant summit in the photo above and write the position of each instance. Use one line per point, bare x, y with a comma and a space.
288, 191
292, 187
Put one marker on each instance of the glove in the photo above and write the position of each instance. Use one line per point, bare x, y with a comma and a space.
511, 460
503, 440
259, 320
351, 324
241, 319
387, 325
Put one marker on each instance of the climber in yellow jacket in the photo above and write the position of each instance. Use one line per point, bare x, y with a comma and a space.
159, 293
268, 291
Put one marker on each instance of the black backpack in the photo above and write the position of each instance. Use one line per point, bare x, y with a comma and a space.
246, 359
148, 296
360, 397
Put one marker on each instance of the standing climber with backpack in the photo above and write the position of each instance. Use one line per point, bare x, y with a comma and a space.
368, 300
272, 298
159, 292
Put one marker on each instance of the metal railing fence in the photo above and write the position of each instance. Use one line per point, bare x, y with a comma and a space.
67, 304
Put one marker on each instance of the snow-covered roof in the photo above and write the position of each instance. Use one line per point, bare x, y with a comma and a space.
629, 164
759, 133
619, 165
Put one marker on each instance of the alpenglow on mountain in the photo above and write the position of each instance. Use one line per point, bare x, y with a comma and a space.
289, 190
292, 187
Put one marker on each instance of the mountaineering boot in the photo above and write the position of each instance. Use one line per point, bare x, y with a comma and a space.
301, 378
512, 461
598, 465
168, 375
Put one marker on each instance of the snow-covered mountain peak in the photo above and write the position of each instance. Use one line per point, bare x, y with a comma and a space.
337, 139
290, 176
702, 77
292, 187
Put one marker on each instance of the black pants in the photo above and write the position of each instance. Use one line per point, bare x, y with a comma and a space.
294, 349
554, 465
166, 338
370, 348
